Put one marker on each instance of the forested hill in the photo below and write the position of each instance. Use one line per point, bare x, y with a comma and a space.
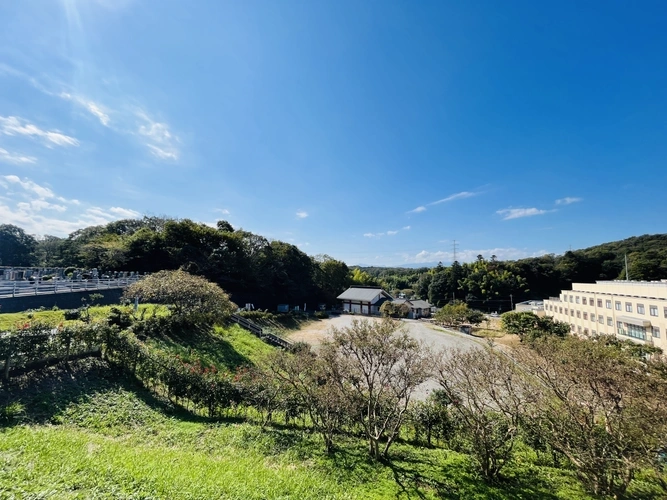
253, 269
248, 266
488, 284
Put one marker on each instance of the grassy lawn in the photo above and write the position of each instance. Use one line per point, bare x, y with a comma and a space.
228, 347
93, 433
10, 320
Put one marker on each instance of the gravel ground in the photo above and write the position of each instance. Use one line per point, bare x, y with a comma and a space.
435, 337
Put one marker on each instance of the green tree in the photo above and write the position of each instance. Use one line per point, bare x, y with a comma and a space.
17, 248
453, 314
191, 297
529, 326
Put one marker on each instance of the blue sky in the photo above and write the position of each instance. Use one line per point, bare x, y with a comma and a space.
377, 132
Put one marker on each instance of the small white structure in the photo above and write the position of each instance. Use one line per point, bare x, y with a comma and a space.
534, 306
364, 299
418, 308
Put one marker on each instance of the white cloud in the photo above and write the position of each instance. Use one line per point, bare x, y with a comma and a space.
159, 139
517, 213
41, 191
33, 208
567, 200
8, 157
373, 235
163, 153
391, 233
92, 107
301, 214
425, 257
406, 228
417, 210
456, 196
124, 212
223, 211
11, 125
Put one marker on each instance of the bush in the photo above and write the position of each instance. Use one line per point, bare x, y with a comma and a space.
321, 314
118, 317
72, 314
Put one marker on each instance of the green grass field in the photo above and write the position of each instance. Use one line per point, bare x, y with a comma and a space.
93, 433
89, 430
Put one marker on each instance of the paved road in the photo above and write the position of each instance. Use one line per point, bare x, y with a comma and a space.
434, 337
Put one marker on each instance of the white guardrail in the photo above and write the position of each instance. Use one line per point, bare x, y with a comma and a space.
22, 288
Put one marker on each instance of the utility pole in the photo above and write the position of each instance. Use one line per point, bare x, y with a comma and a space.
454, 248
626, 268
511, 303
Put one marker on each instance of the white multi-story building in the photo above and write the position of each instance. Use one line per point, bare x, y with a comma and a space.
634, 310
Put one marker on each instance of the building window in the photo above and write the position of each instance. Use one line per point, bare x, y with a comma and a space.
586, 315
571, 297
572, 326
619, 325
593, 332
566, 312
628, 307
665, 311
579, 329
600, 319
578, 314
576, 299
583, 301
610, 322
608, 304
599, 302
585, 331
634, 331
640, 309
560, 310
656, 332
653, 310
617, 306
571, 312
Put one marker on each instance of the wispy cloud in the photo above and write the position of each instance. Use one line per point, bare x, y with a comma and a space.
12, 125
124, 212
427, 257
158, 137
301, 214
406, 228
39, 210
456, 196
373, 235
92, 107
568, 200
517, 213
222, 211
417, 210
17, 159
28, 185
391, 233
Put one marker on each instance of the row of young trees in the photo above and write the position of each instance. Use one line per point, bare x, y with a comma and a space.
590, 404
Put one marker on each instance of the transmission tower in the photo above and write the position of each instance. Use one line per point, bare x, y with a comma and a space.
454, 248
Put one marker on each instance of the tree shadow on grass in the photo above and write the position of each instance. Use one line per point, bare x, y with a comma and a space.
205, 345
457, 479
43, 396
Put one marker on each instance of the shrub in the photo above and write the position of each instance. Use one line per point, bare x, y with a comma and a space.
118, 317
321, 314
72, 314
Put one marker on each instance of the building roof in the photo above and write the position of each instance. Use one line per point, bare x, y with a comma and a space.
362, 294
421, 304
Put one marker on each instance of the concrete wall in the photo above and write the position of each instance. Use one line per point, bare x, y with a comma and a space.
68, 300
